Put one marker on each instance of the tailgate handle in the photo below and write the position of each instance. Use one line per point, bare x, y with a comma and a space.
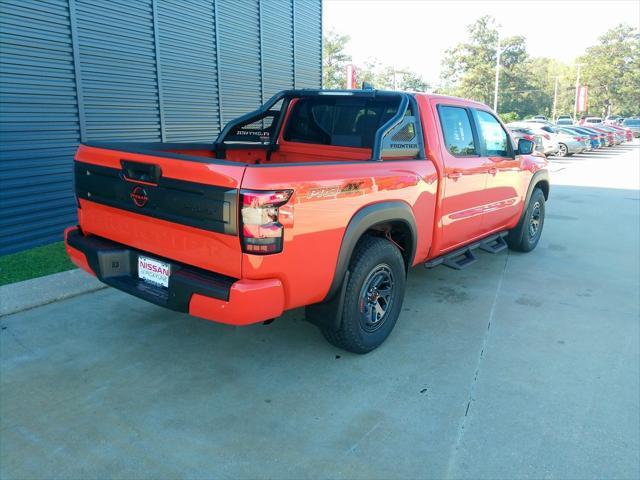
140, 172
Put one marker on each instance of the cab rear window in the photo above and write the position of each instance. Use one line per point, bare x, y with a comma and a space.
339, 121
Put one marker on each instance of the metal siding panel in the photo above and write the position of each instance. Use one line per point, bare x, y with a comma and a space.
239, 47
116, 50
39, 127
308, 43
117, 61
187, 59
277, 46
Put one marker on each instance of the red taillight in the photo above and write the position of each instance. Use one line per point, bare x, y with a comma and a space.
579, 139
261, 228
547, 136
529, 137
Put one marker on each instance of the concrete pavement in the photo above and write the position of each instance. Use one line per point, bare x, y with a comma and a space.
522, 366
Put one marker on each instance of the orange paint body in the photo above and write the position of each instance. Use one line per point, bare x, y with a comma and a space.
453, 200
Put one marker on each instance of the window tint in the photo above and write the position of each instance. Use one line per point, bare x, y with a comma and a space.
341, 121
492, 136
458, 136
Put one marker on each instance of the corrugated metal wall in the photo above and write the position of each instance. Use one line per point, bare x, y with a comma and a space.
148, 70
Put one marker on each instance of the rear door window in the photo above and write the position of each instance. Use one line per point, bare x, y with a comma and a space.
456, 128
339, 121
493, 138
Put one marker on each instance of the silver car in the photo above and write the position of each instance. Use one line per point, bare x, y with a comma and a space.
570, 144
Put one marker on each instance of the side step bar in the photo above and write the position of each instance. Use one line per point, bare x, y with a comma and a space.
464, 257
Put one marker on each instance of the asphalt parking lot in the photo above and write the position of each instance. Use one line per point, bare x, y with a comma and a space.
522, 366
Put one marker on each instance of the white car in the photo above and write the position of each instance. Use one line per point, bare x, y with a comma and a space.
550, 143
593, 121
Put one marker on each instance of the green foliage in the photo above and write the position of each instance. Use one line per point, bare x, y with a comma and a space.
334, 60
469, 70
612, 72
509, 117
384, 77
611, 69
33, 263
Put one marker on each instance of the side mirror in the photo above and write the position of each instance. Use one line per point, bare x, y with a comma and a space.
525, 147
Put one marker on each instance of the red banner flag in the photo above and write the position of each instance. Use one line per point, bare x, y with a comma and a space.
582, 99
351, 77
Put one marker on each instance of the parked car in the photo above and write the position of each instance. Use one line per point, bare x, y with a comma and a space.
326, 207
612, 119
619, 136
626, 133
540, 117
593, 121
564, 120
610, 136
601, 136
632, 124
549, 140
571, 143
594, 137
528, 134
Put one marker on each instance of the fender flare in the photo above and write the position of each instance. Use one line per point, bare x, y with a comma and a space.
540, 175
365, 218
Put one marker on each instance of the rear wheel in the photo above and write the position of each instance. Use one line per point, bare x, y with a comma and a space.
526, 235
373, 297
563, 151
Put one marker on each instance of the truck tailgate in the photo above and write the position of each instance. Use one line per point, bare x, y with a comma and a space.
175, 208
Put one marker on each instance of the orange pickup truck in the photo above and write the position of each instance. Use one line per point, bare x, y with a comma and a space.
320, 198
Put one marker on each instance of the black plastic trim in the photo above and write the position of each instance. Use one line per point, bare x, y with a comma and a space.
207, 207
363, 220
540, 175
117, 265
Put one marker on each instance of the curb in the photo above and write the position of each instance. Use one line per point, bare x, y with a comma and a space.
36, 292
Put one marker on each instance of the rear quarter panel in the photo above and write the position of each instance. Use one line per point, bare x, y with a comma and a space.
319, 211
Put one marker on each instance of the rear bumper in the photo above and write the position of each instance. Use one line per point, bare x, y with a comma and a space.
201, 293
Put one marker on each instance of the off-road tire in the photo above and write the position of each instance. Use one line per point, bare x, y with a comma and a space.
373, 256
523, 238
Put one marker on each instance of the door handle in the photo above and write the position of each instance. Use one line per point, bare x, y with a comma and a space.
493, 170
454, 175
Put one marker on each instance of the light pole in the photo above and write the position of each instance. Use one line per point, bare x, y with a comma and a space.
555, 99
575, 102
495, 90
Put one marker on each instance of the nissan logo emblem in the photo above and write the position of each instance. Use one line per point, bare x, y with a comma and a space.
139, 196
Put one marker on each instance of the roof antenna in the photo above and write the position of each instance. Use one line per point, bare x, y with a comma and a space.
367, 86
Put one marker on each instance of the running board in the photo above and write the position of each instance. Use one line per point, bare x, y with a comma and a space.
464, 257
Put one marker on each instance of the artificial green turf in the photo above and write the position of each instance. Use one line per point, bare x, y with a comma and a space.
33, 263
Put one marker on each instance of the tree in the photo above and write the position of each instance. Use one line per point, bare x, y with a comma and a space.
413, 82
334, 60
611, 70
469, 71
385, 77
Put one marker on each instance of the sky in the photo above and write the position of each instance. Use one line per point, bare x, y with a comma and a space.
414, 34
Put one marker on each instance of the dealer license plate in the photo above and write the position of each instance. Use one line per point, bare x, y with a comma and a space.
153, 271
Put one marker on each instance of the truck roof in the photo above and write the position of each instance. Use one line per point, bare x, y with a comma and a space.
374, 92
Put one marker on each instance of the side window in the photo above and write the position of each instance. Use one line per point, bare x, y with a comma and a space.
492, 136
456, 127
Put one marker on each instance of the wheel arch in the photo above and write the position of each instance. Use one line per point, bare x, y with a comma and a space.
393, 220
540, 180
